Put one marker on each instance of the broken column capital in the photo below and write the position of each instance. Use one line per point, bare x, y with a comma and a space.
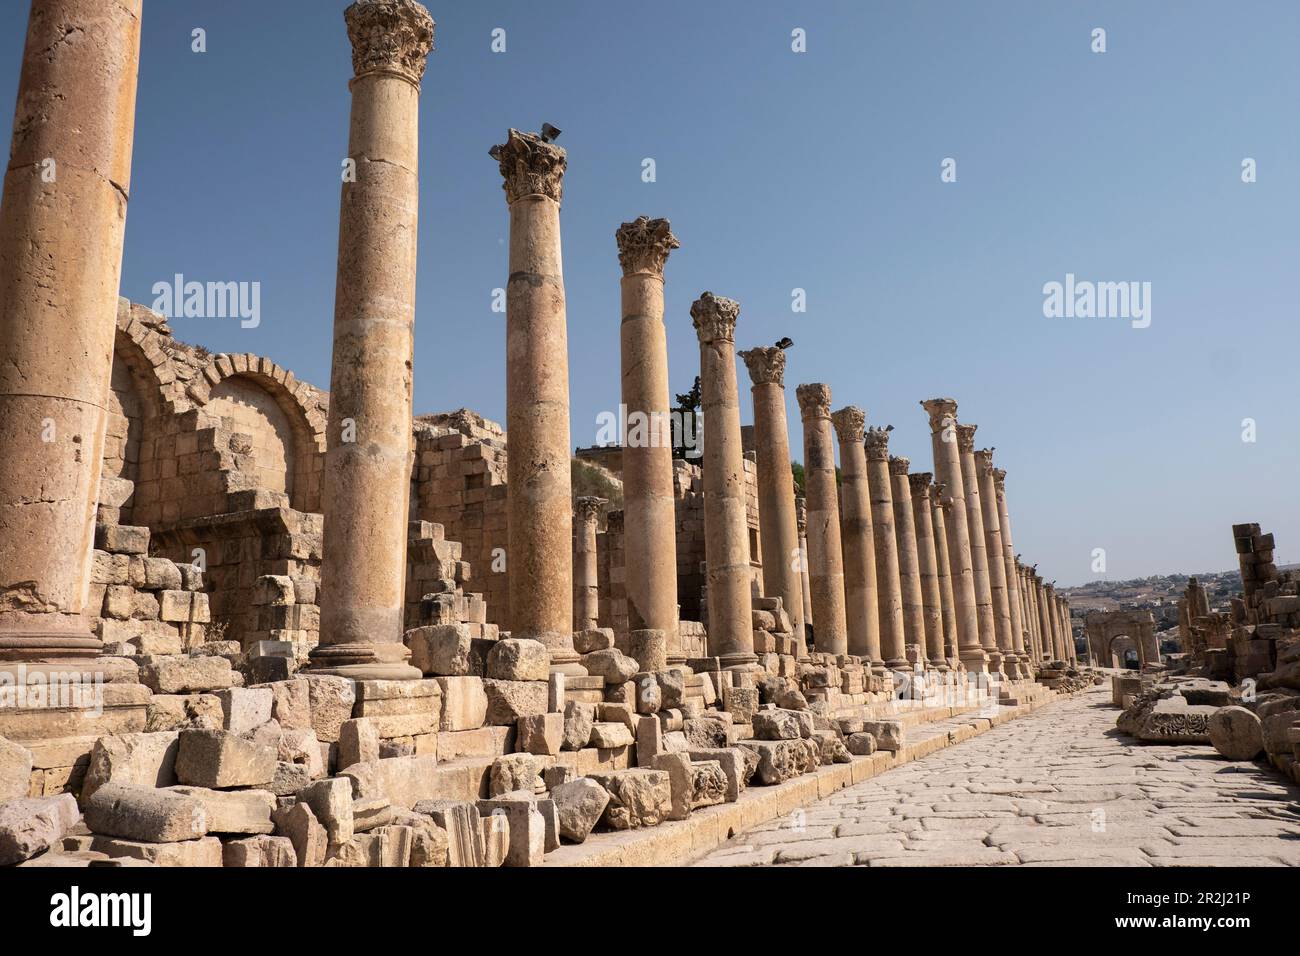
530, 166
587, 507
920, 482
389, 36
849, 423
984, 461
814, 401
876, 442
1000, 479
715, 318
766, 365
898, 465
644, 245
966, 438
942, 412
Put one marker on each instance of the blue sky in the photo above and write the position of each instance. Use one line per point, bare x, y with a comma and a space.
818, 171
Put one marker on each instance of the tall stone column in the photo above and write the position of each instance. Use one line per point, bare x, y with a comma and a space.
996, 555
586, 585
726, 531
825, 559
782, 559
805, 583
1044, 622
1028, 616
856, 535
939, 507
62, 221
979, 561
942, 413
1067, 632
648, 500
1052, 622
927, 561
539, 497
909, 568
1009, 563
889, 586
370, 449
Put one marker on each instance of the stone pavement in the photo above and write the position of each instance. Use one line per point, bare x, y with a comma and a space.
1059, 787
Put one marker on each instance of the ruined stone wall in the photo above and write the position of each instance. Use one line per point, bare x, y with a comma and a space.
688, 487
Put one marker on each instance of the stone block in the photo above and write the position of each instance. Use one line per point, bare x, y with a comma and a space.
219, 759
167, 712
540, 734
519, 660
145, 814
461, 822
15, 770
609, 734
305, 832
579, 804
513, 772
448, 650
147, 760
203, 852
233, 811
290, 703
403, 781
259, 851
649, 740
527, 829
331, 700
637, 798
776, 725
680, 781
860, 744
595, 639
429, 842
741, 703
245, 708
464, 703
612, 665
709, 784
888, 734
778, 760
29, 826
331, 803
187, 675
1236, 733
494, 839
579, 718
731, 762
508, 700
358, 742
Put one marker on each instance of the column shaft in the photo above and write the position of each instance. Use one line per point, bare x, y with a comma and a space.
1012, 572
825, 557
370, 447
805, 583
996, 555
978, 547
861, 610
62, 221
586, 585
927, 560
939, 510
889, 587
726, 530
909, 568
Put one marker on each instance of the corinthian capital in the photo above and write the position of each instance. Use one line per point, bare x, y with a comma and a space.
814, 401
920, 482
877, 444
644, 244
966, 438
942, 412
715, 318
849, 422
898, 465
389, 36
587, 508
984, 462
530, 166
801, 514
766, 365
1000, 479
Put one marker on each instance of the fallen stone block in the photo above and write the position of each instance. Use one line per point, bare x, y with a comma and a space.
541, 734
358, 742
778, 760
460, 820
527, 829
595, 639
331, 803
637, 798
289, 778
147, 759
331, 700
513, 772
611, 664
447, 650
608, 735
15, 769
776, 725
205, 851
32, 825
233, 811
144, 814
580, 804
579, 718
861, 744
305, 832
245, 708
741, 703
217, 759
464, 703
709, 784
731, 761
290, 703
259, 851
680, 783
168, 712
1236, 733
429, 843
888, 734
403, 781
509, 700
518, 660
302, 747
494, 839
186, 675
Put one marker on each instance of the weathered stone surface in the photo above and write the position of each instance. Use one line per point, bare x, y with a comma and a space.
183, 712
289, 778
595, 639
403, 781
145, 815
705, 732
494, 839
186, 675
579, 718
32, 825
680, 783
233, 811
15, 769
305, 832
517, 772
888, 734
518, 660
509, 700
776, 725
611, 664
331, 803
429, 841
778, 760
259, 851
1236, 733
443, 650
464, 703
541, 734
358, 742
331, 700
861, 744
143, 759
731, 760
460, 820
527, 829
205, 851
580, 804
1173, 720
291, 703
637, 798
301, 747
608, 734
218, 758
245, 708
741, 703
709, 784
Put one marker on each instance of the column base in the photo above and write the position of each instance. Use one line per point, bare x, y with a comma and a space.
36, 638
975, 659
361, 661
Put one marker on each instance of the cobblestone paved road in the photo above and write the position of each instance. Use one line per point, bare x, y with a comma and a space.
1059, 787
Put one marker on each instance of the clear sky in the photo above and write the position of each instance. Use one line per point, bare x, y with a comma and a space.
819, 171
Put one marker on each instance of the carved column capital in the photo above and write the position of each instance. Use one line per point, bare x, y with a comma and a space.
942, 412
966, 438
850, 422
766, 365
587, 508
715, 318
644, 244
801, 514
389, 36
984, 461
1000, 480
921, 482
898, 465
530, 166
814, 401
877, 444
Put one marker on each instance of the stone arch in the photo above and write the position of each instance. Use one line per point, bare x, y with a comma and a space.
1123, 653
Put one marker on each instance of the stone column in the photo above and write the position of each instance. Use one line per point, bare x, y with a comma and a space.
889, 587
62, 220
825, 560
779, 540
947, 468
927, 561
1028, 616
1052, 622
996, 556
1067, 632
539, 493
1013, 578
1044, 623
859, 545
805, 583
370, 448
648, 500
909, 568
586, 586
939, 507
726, 530
979, 561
